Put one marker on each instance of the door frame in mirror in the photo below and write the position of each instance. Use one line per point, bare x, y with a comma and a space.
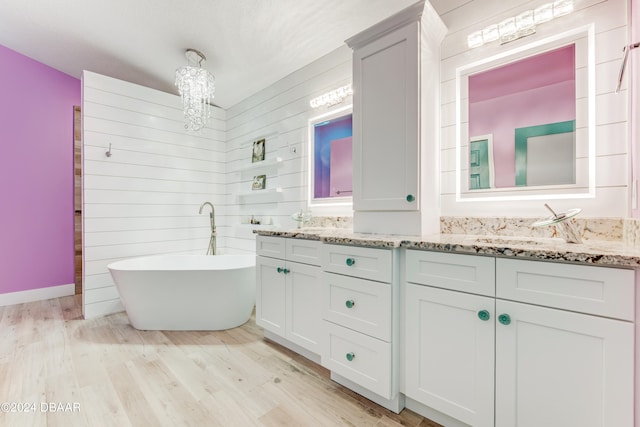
585, 187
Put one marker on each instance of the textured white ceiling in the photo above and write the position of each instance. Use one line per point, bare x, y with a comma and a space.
249, 44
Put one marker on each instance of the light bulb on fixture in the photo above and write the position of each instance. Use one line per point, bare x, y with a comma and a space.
525, 23
490, 33
543, 13
475, 39
508, 30
196, 86
562, 7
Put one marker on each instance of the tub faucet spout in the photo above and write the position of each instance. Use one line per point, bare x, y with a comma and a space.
212, 217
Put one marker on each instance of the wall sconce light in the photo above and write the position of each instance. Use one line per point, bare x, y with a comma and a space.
332, 98
521, 25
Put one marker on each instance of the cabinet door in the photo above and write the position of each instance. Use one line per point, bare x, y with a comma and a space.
304, 311
559, 368
449, 352
270, 294
385, 122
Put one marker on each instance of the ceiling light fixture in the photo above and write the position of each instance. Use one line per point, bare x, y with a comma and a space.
196, 86
522, 25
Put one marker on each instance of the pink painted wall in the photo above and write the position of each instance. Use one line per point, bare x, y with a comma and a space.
341, 176
36, 173
543, 92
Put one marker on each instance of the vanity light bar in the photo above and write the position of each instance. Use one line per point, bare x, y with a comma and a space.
332, 98
521, 25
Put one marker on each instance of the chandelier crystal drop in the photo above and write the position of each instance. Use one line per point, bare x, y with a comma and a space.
196, 87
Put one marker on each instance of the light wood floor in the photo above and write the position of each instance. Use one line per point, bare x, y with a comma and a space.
119, 376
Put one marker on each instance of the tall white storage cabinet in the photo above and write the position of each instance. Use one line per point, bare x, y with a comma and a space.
396, 122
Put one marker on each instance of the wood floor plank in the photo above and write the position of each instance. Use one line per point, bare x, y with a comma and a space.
120, 376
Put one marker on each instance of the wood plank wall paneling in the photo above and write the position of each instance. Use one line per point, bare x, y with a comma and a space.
280, 113
612, 174
144, 199
77, 197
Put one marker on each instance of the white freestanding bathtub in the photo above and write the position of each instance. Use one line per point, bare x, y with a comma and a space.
186, 292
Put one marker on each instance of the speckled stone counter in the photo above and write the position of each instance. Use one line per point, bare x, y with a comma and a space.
592, 252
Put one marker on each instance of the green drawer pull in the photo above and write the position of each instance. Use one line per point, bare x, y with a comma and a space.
350, 356
350, 303
484, 315
410, 198
350, 261
505, 319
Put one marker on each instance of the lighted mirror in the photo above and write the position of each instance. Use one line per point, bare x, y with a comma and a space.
525, 121
330, 165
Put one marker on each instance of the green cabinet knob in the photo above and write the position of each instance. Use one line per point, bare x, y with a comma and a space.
279, 269
505, 319
350, 356
350, 303
350, 261
410, 198
286, 271
484, 315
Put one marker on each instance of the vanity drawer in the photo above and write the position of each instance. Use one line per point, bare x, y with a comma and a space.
360, 358
304, 251
358, 304
595, 290
366, 263
273, 247
296, 250
466, 273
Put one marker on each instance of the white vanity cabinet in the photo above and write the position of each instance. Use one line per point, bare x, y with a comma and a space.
360, 298
288, 292
548, 345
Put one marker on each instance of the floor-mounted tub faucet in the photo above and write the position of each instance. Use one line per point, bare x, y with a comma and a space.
212, 216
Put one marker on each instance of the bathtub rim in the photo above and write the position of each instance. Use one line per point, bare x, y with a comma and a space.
205, 262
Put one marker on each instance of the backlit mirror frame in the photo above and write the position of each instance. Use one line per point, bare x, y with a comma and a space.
584, 37
311, 149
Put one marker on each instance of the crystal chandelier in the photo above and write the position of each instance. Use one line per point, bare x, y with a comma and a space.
196, 86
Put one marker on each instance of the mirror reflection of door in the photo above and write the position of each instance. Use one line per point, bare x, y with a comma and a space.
545, 154
481, 163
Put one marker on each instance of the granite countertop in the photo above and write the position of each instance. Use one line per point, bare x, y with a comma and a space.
592, 252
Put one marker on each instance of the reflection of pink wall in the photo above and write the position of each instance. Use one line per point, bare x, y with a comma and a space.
534, 91
341, 170
36, 173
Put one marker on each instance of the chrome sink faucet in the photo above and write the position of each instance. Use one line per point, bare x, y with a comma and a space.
212, 240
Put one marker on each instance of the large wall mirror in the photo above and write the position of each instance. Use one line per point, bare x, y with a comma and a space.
525, 121
330, 154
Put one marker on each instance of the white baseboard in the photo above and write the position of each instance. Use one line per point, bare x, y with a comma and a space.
40, 294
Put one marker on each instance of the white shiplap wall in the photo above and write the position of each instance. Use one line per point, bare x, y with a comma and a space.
612, 171
144, 199
279, 113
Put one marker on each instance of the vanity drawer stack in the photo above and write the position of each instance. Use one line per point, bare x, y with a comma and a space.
358, 299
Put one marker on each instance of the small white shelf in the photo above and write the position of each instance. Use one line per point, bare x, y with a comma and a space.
264, 166
268, 194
